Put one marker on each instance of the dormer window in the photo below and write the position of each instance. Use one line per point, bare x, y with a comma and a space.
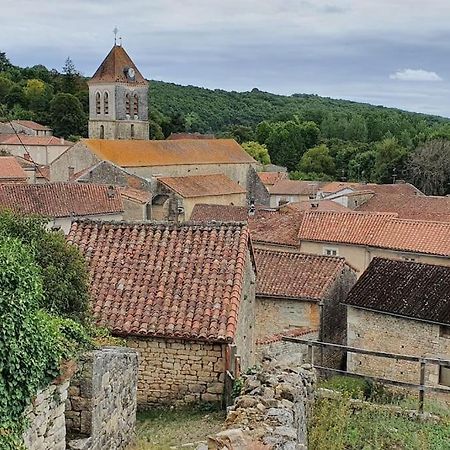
106, 103
97, 103
127, 104
135, 106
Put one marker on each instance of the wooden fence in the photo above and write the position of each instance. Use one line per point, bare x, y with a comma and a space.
422, 387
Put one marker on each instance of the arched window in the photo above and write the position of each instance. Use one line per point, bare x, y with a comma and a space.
97, 103
135, 105
132, 131
127, 104
102, 132
105, 103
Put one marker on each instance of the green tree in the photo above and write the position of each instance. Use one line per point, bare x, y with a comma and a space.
389, 160
67, 116
4, 62
360, 167
16, 96
257, 151
317, 160
5, 86
72, 79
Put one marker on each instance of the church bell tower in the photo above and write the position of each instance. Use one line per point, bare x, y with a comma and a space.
118, 99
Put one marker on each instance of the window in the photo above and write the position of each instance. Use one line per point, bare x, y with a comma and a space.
444, 376
444, 331
105, 103
102, 132
132, 131
127, 104
408, 258
97, 103
330, 251
135, 105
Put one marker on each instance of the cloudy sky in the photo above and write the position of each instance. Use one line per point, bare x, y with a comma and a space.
388, 52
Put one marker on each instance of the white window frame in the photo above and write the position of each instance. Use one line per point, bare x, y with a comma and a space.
331, 251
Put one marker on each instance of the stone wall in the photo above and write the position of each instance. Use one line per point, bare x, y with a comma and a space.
271, 412
382, 332
256, 190
177, 371
47, 430
101, 407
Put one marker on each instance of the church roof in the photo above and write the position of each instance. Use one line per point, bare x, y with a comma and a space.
111, 70
142, 153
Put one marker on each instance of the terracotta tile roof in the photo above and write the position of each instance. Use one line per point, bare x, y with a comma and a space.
420, 236
403, 288
158, 279
270, 178
177, 136
410, 207
32, 125
111, 70
398, 188
295, 275
42, 172
293, 332
10, 169
61, 199
294, 187
202, 185
344, 227
319, 205
335, 186
141, 153
25, 139
137, 195
276, 227
219, 213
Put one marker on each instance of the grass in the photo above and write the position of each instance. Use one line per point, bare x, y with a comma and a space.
164, 429
337, 425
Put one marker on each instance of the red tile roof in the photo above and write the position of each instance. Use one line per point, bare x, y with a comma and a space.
294, 187
219, 213
293, 332
137, 195
410, 207
319, 205
270, 178
295, 275
158, 279
142, 153
10, 169
25, 139
61, 199
404, 288
398, 188
177, 136
32, 125
112, 69
202, 185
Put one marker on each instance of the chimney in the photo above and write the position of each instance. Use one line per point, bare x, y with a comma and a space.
62, 141
251, 208
71, 172
314, 205
111, 191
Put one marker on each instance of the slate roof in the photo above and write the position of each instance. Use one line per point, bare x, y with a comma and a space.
111, 70
167, 280
294, 187
60, 199
142, 153
202, 185
295, 275
10, 169
403, 288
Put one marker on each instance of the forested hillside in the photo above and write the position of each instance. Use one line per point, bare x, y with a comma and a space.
314, 137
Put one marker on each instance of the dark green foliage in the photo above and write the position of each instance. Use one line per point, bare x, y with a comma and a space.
67, 116
318, 160
62, 268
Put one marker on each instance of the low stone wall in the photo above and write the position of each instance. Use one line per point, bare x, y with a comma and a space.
47, 429
271, 412
101, 406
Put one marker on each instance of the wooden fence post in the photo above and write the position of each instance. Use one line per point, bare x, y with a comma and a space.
422, 385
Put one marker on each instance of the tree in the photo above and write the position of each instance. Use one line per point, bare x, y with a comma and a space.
429, 167
15, 96
72, 77
360, 167
4, 62
5, 86
67, 116
390, 159
317, 160
257, 151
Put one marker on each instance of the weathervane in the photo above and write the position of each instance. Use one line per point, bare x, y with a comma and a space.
115, 31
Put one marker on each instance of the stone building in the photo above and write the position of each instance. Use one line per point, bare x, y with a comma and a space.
400, 307
175, 197
286, 191
118, 99
298, 293
63, 202
31, 128
181, 294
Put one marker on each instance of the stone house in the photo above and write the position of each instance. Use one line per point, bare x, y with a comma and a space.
182, 295
41, 150
136, 204
63, 202
11, 171
297, 292
400, 307
359, 237
287, 191
175, 197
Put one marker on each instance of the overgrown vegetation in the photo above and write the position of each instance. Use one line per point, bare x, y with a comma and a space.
36, 333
